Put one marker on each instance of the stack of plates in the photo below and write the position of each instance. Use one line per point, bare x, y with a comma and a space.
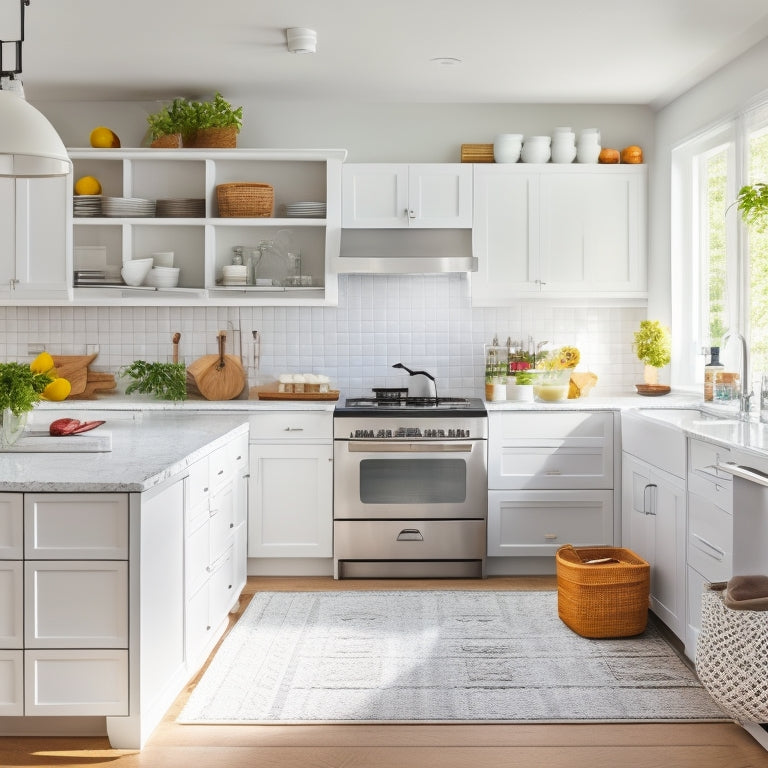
234, 274
163, 277
120, 207
305, 210
189, 207
86, 205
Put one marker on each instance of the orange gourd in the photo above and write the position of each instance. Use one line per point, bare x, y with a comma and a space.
608, 156
632, 154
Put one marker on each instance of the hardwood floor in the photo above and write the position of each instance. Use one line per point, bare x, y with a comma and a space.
704, 745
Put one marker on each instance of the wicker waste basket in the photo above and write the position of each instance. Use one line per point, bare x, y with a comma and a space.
602, 599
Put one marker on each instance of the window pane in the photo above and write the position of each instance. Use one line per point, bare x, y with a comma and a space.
758, 261
713, 293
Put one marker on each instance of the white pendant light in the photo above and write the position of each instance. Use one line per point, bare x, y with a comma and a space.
29, 144
301, 40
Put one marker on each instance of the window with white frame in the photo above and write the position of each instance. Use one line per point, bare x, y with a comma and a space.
719, 270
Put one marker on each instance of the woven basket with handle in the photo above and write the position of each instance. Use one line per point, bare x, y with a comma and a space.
602, 599
245, 199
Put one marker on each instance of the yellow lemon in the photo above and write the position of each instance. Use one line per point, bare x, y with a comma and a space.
57, 390
87, 185
104, 138
42, 363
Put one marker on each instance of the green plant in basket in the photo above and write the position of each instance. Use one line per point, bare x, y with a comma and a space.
216, 113
176, 117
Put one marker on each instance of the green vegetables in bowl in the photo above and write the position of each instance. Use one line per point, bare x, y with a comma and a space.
166, 381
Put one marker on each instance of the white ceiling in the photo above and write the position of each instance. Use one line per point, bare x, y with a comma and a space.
512, 51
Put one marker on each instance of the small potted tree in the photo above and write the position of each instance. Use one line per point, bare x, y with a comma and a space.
171, 125
214, 123
654, 349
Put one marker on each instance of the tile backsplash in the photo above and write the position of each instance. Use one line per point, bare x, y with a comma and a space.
426, 322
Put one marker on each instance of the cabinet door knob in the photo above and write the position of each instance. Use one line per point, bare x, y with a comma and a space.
411, 213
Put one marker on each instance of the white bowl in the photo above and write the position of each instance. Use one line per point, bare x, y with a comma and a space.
157, 279
134, 272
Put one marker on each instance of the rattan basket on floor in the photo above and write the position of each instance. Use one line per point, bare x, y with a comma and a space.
607, 599
245, 199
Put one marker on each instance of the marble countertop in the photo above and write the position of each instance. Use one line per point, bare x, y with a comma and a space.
147, 448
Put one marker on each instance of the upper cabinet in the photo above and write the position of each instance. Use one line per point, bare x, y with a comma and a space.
35, 262
552, 230
203, 242
401, 196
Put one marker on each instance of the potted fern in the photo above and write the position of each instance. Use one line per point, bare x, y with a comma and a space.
214, 123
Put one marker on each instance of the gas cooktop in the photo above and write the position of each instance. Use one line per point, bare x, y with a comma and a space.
407, 406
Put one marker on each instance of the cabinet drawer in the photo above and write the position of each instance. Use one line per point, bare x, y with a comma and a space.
292, 425
11, 683
409, 539
719, 492
710, 539
76, 604
11, 605
11, 526
76, 682
220, 467
529, 427
76, 526
198, 483
238, 453
534, 523
703, 459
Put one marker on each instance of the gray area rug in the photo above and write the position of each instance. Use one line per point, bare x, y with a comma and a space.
436, 656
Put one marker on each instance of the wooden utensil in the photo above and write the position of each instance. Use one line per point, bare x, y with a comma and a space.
218, 377
176, 339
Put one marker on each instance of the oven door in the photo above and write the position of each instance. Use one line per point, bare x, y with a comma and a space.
421, 479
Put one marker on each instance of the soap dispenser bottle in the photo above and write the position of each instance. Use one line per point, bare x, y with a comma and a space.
711, 369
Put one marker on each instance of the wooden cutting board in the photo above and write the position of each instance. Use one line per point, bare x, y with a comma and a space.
332, 394
97, 382
74, 368
218, 377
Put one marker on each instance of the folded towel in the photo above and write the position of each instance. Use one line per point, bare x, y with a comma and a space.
747, 593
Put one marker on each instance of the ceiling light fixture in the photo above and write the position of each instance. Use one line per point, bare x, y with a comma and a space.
445, 61
29, 144
301, 40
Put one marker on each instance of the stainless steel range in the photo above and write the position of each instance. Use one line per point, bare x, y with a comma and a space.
410, 487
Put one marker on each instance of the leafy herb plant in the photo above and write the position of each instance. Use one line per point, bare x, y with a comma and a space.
216, 113
166, 381
20, 387
176, 117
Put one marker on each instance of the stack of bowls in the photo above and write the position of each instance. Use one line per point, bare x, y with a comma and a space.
163, 277
506, 147
588, 146
563, 145
536, 149
135, 271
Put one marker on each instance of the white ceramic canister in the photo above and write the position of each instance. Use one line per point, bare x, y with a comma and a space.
563, 145
588, 146
506, 147
536, 149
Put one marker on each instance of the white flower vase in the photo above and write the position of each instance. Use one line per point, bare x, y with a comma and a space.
12, 426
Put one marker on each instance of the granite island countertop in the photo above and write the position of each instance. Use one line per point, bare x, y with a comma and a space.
146, 450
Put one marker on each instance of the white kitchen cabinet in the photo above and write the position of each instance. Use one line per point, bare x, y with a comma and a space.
550, 479
395, 196
11, 683
202, 246
290, 490
654, 526
35, 240
559, 231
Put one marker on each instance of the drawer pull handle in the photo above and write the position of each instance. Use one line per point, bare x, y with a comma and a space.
552, 472
410, 534
719, 552
550, 536
294, 429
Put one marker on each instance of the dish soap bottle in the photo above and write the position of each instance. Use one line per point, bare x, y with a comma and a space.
711, 369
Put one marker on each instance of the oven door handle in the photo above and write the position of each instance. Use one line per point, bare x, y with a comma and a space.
383, 447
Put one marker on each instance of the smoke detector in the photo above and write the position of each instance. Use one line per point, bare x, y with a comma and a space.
301, 40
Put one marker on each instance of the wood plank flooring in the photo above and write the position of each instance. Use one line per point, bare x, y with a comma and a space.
577, 745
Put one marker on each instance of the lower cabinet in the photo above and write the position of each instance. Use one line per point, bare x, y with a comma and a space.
654, 515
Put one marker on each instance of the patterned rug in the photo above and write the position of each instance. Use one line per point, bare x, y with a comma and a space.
436, 656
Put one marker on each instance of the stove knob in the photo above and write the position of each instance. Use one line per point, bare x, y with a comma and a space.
441, 433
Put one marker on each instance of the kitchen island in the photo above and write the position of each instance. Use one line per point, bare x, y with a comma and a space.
118, 568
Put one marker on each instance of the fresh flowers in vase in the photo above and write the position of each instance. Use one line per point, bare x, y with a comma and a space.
553, 384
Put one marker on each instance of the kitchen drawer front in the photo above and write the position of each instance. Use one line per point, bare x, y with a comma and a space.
11, 526
409, 539
11, 683
76, 526
76, 682
703, 459
71, 604
11, 605
238, 453
292, 425
535, 523
529, 427
710, 539
198, 484
719, 492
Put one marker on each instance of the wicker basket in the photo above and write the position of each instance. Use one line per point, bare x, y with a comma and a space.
477, 153
213, 138
245, 199
607, 599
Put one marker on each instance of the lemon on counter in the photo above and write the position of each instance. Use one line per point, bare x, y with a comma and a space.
57, 390
104, 138
42, 363
87, 185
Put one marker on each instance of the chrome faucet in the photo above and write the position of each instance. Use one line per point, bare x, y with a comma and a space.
432, 384
745, 397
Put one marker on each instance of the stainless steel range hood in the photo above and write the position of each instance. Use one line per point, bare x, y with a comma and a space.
406, 251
